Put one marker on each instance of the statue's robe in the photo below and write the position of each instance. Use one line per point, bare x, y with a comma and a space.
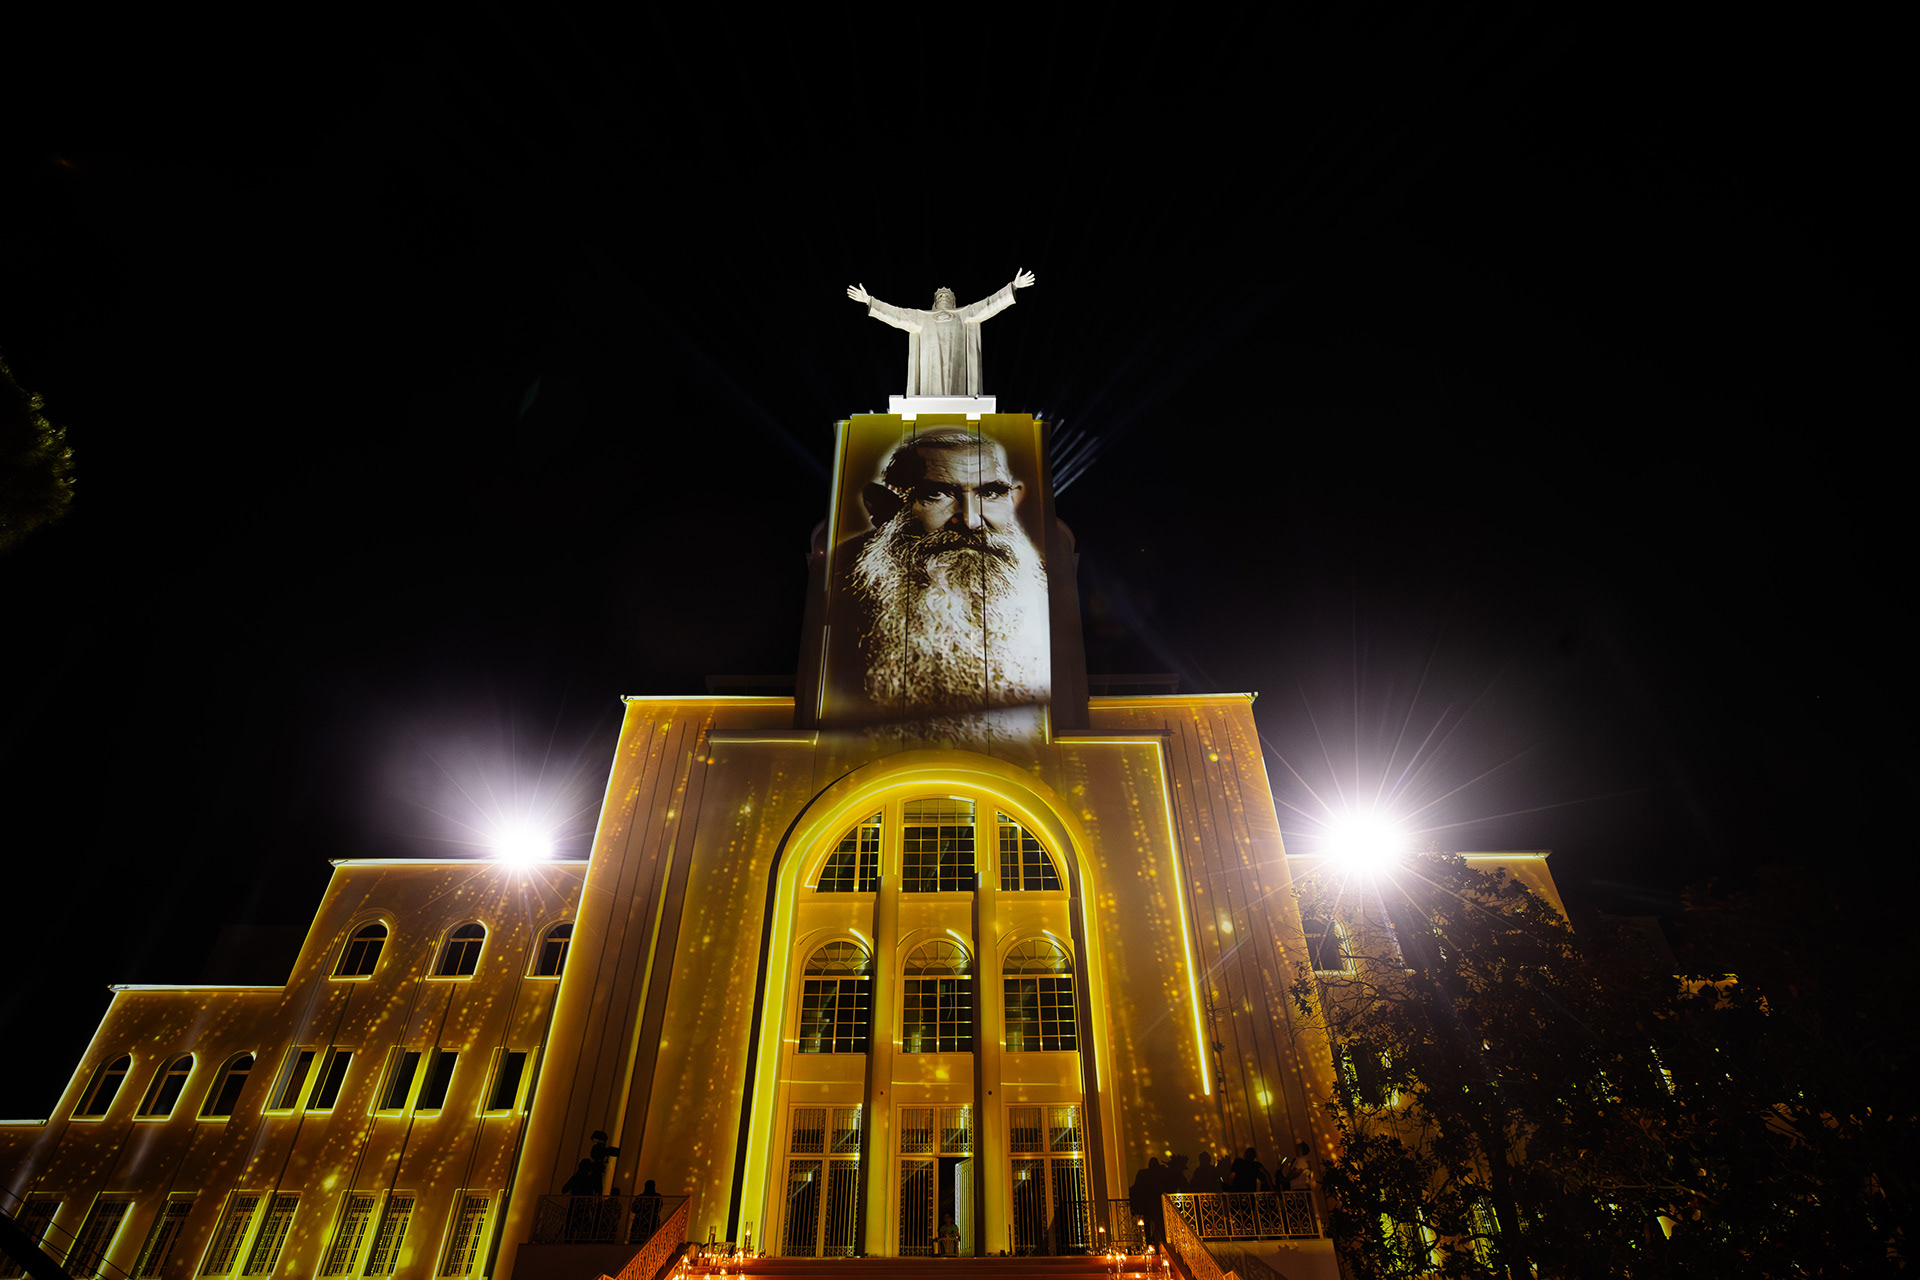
943, 347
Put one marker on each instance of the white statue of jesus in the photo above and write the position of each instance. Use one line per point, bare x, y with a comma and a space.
943, 345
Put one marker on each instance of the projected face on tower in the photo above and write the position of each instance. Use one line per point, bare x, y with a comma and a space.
946, 594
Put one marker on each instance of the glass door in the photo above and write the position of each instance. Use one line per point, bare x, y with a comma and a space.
1052, 1212
821, 1207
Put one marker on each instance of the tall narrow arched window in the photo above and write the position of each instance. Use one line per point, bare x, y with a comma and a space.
362, 952
854, 864
836, 997
553, 952
1326, 946
166, 1087
225, 1094
104, 1087
937, 1007
1024, 865
1039, 990
461, 956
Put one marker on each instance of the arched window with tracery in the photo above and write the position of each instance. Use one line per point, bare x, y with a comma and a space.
937, 1008
854, 864
461, 956
1025, 866
1039, 988
166, 1087
362, 952
836, 999
552, 961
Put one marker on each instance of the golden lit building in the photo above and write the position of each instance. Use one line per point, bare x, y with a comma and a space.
932, 937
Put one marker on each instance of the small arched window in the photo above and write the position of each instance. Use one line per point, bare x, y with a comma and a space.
166, 1087
1024, 864
553, 952
362, 952
104, 1087
937, 1006
1039, 989
461, 956
836, 998
225, 1094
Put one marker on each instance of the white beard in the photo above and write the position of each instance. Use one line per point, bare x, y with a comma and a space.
955, 630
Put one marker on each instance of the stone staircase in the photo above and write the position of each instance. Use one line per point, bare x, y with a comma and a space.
938, 1269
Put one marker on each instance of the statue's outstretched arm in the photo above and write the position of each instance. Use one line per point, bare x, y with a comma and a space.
1002, 298
895, 316
1022, 279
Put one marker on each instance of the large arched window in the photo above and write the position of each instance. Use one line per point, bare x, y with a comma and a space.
104, 1087
836, 997
166, 1087
225, 1094
854, 864
362, 951
937, 1009
1024, 864
1039, 990
461, 956
552, 961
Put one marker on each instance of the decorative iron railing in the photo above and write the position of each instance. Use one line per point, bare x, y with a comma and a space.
604, 1219
1181, 1239
662, 1247
1247, 1215
1124, 1228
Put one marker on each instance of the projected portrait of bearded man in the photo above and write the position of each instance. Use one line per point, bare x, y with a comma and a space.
948, 594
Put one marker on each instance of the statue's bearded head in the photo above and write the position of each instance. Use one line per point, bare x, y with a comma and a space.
943, 300
948, 568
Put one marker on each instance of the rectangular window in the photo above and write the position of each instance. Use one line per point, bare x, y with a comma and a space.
293, 1079
937, 846
225, 1250
88, 1257
469, 1231
332, 1075
854, 864
937, 1016
391, 1237
833, 1015
506, 1081
400, 1073
272, 1236
1040, 1015
433, 1094
356, 1215
165, 1233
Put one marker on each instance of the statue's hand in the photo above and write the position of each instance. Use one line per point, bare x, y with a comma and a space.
1022, 279
858, 292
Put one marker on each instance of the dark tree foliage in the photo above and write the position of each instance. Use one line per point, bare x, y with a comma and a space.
36, 466
1516, 1101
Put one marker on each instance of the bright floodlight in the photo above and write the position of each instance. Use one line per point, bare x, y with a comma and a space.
521, 844
1365, 840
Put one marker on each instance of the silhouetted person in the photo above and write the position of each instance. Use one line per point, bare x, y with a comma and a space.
584, 1182
1176, 1174
600, 1153
1206, 1178
1144, 1192
1249, 1174
1297, 1173
646, 1215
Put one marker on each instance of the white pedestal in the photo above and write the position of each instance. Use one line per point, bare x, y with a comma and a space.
911, 407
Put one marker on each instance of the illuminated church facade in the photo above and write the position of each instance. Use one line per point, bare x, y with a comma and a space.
840, 965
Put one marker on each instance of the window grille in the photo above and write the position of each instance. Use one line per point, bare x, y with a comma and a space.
835, 999
809, 1131
362, 952
273, 1235
88, 1256
854, 864
166, 1087
349, 1235
1039, 998
469, 1229
461, 956
226, 1242
165, 1233
846, 1131
1024, 864
937, 846
225, 1094
937, 1004
553, 952
387, 1242
104, 1087
33, 1222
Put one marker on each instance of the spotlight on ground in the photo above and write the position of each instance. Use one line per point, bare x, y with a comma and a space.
521, 845
1366, 841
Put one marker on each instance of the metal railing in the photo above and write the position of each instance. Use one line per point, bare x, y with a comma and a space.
662, 1247
57, 1245
1247, 1215
1124, 1230
1194, 1254
604, 1219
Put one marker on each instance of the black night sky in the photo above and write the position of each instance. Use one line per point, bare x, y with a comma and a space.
1509, 398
